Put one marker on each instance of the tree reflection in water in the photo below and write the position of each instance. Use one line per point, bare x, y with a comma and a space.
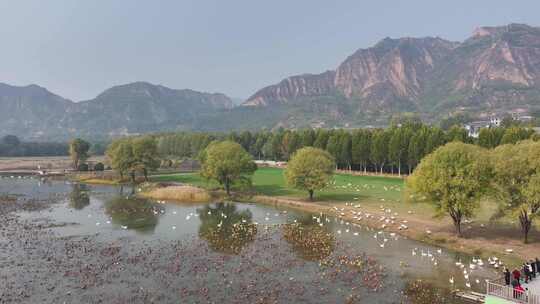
226, 229
79, 197
309, 239
137, 214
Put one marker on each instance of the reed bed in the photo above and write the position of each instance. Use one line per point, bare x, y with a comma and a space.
186, 194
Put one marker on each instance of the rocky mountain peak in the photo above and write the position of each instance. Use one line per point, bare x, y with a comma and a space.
409, 72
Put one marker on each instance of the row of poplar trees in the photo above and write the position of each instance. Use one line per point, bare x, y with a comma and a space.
396, 149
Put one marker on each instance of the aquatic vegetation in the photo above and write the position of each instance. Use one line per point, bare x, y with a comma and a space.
309, 240
137, 214
198, 253
422, 292
79, 198
225, 228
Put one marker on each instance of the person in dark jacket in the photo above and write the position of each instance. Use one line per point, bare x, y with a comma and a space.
537, 265
506, 276
533, 268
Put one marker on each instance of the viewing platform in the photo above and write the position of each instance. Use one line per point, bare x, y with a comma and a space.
498, 293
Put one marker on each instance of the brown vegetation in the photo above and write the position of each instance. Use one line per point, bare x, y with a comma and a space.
179, 193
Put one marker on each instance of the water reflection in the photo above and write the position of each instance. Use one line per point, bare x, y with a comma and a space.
310, 237
332, 255
131, 213
226, 229
79, 196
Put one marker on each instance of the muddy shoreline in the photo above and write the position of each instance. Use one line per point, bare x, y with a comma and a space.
415, 230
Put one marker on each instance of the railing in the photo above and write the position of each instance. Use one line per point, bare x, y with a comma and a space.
509, 293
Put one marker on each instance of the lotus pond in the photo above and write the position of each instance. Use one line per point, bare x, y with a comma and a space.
75, 243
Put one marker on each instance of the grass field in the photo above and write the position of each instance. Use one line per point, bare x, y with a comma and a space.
345, 188
372, 192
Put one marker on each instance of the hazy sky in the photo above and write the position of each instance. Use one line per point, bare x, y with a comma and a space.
78, 48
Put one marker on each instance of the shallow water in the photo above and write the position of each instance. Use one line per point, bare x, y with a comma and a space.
250, 249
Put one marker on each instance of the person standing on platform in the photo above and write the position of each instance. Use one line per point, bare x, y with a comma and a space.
506, 276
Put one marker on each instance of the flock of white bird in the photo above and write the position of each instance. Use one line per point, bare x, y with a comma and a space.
385, 217
389, 219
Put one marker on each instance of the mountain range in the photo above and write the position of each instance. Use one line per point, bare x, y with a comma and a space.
34, 112
496, 70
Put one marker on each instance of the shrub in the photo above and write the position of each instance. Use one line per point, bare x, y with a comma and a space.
99, 167
83, 167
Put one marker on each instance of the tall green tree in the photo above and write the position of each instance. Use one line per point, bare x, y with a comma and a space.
514, 134
490, 137
310, 169
245, 140
322, 139
453, 178
435, 139
398, 147
257, 148
78, 150
415, 151
361, 147
145, 155
268, 151
379, 149
290, 143
120, 154
308, 138
227, 162
334, 147
458, 133
345, 143
516, 180
276, 144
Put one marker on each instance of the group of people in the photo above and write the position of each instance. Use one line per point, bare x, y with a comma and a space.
527, 273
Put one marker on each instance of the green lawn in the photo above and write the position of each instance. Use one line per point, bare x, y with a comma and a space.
371, 191
346, 188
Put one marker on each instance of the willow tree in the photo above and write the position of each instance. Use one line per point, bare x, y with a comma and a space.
517, 182
453, 178
78, 150
310, 169
227, 162
145, 154
120, 155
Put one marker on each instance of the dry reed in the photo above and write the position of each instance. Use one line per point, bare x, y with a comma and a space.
186, 194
